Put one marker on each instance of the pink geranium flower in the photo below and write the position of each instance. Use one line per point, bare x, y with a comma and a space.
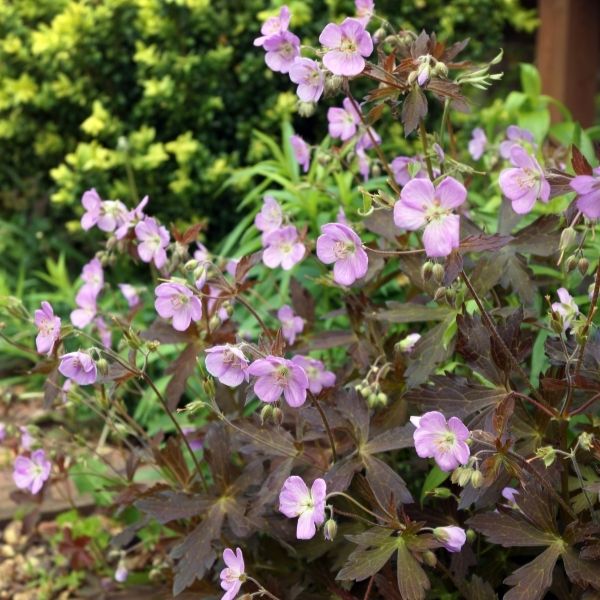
130, 294
283, 248
400, 169
104, 332
364, 11
347, 45
291, 324
566, 308
309, 77
525, 183
274, 26
343, 122
515, 136
318, 376
106, 214
93, 276
177, 302
478, 143
423, 205
233, 575
228, 364
282, 49
27, 440
270, 216
509, 494
340, 245
121, 573
453, 538
87, 307
296, 500
30, 473
301, 151
588, 191
78, 366
48, 328
132, 218
276, 376
93, 206
153, 239
444, 441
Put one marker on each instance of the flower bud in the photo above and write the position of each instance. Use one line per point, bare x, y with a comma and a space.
366, 391
556, 323
583, 265
277, 415
153, 346
379, 35
464, 477
438, 272
476, 479
440, 69
440, 294
571, 264
190, 265
214, 322
567, 238
450, 295
382, 398
208, 385
440, 492
266, 413
102, 366
306, 109
333, 84
330, 530
427, 270
471, 536
429, 558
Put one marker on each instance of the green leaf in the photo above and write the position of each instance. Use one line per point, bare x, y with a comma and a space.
536, 121
530, 80
405, 312
434, 479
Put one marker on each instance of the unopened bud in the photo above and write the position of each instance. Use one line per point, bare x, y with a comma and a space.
476, 479
266, 413
333, 84
366, 391
102, 366
190, 265
440, 294
208, 385
567, 238
306, 109
583, 265
571, 264
376, 170
382, 398
429, 558
153, 346
277, 415
471, 536
440, 69
214, 322
464, 477
330, 530
556, 323
440, 492
450, 295
379, 35
427, 270
438, 272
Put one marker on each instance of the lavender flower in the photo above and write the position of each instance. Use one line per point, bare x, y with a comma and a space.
177, 302
30, 473
588, 191
516, 136
477, 143
132, 218
283, 248
409, 342
282, 49
291, 324
509, 493
233, 575
364, 11
78, 366
400, 169
153, 239
270, 216
103, 332
364, 166
318, 377
27, 440
296, 500
192, 436
276, 376
524, 183
93, 276
48, 328
228, 364
2, 431
347, 45
201, 254
93, 205
444, 441
309, 77
566, 308
422, 205
453, 538
130, 294
274, 26
86, 301
340, 245
106, 214
343, 122
301, 151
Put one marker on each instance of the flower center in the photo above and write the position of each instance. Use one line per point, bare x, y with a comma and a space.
529, 178
343, 249
446, 441
281, 376
286, 50
435, 211
179, 301
155, 241
348, 45
286, 248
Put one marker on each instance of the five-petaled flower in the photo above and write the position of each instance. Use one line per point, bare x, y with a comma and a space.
588, 192
227, 363
48, 328
423, 205
176, 301
31, 472
318, 376
291, 324
444, 441
283, 248
478, 143
153, 239
343, 122
274, 26
347, 46
270, 216
233, 575
78, 366
282, 49
296, 500
276, 376
525, 182
340, 245
309, 77
453, 538
566, 308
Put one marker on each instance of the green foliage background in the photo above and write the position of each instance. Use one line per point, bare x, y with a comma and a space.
159, 97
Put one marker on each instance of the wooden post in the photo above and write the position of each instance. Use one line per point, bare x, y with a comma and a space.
568, 54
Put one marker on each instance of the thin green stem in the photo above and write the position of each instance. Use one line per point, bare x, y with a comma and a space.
262, 590
423, 136
356, 502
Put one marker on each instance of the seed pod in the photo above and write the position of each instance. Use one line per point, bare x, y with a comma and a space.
571, 264
476, 479
440, 294
330, 530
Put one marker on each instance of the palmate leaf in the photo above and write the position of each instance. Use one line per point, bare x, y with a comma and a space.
376, 547
580, 571
414, 109
413, 583
167, 505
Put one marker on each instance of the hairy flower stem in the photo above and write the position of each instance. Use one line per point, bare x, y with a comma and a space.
251, 310
380, 155
351, 499
423, 136
261, 590
326, 425
487, 320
